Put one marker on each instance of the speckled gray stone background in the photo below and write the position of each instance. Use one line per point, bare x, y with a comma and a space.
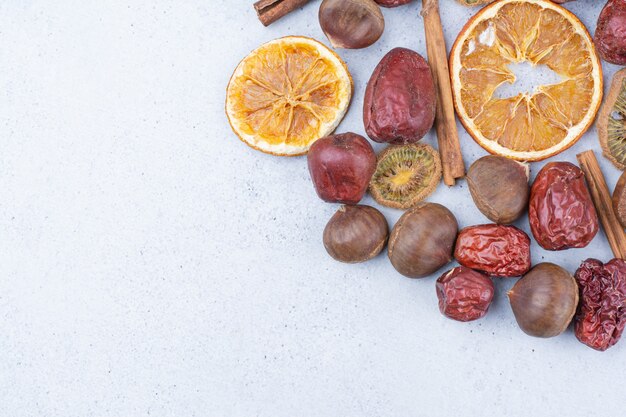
153, 264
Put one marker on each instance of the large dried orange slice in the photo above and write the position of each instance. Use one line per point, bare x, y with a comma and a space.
534, 125
286, 94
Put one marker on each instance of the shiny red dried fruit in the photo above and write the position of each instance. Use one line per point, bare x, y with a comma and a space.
464, 294
561, 213
498, 250
601, 314
399, 103
341, 167
610, 36
392, 3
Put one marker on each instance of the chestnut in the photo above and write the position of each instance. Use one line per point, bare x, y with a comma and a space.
355, 234
422, 240
351, 24
499, 187
544, 300
341, 167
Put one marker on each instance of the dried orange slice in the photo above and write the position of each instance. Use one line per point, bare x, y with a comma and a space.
286, 94
534, 125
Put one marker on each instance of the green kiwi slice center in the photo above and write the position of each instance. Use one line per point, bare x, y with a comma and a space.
617, 126
405, 175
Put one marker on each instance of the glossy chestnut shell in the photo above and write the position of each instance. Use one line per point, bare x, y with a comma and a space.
355, 234
544, 300
351, 24
499, 187
422, 240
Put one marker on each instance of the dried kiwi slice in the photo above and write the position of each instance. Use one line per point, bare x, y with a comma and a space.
612, 122
619, 199
405, 175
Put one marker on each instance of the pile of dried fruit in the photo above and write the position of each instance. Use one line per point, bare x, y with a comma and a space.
289, 95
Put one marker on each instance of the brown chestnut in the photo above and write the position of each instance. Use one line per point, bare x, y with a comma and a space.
422, 240
544, 300
499, 187
351, 24
355, 234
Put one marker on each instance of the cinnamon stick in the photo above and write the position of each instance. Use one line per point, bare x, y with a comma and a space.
270, 11
445, 123
602, 200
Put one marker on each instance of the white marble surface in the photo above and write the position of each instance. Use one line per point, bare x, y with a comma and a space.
152, 264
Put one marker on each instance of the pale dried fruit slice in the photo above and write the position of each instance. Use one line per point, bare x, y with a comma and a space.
405, 175
619, 199
533, 125
612, 121
286, 94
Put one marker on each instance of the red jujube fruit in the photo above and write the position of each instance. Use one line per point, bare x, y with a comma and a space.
610, 36
464, 294
601, 314
392, 3
341, 167
497, 250
561, 213
399, 103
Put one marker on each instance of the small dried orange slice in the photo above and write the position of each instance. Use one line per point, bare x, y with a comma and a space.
286, 94
534, 125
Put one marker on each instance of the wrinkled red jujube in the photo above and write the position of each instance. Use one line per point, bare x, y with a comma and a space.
464, 294
497, 250
561, 213
601, 314
341, 167
392, 3
399, 103
610, 35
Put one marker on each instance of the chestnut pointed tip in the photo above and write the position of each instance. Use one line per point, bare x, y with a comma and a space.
335, 44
